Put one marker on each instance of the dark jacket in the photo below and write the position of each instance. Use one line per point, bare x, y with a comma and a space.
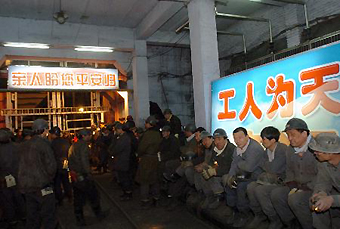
9, 160
169, 148
175, 124
79, 158
223, 160
121, 152
60, 148
37, 166
147, 151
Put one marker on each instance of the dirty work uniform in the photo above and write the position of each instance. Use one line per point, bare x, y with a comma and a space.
300, 174
10, 198
223, 160
328, 181
147, 172
248, 165
60, 148
121, 162
83, 184
37, 169
259, 191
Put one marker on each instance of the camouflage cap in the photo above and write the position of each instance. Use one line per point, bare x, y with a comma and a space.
190, 128
39, 124
325, 143
296, 124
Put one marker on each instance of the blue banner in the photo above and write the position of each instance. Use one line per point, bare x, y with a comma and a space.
305, 86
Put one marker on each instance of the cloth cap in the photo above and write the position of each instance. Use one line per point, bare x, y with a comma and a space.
190, 128
39, 124
4, 135
220, 133
205, 134
325, 143
166, 128
151, 120
296, 124
167, 111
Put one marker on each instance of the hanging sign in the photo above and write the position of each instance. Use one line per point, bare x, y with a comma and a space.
51, 78
305, 86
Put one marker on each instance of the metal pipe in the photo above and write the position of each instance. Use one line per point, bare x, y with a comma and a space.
306, 15
179, 29
270, 31
231, 34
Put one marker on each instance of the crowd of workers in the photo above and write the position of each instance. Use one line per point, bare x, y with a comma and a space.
295, 186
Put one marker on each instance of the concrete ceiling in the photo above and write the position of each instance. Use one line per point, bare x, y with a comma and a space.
128, 13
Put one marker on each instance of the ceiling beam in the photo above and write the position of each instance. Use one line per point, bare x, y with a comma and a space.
298, 2
160, 14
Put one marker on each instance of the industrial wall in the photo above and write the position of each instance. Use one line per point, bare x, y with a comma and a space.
288, 23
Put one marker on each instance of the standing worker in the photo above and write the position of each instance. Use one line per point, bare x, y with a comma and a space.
147, 173
37, 169
174, 122
60, 148
83, 184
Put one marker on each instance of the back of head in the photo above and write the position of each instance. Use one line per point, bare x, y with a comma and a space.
55, 130
5, 136
39, 126
83, 132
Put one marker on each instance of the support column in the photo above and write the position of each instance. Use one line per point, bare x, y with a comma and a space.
294, 15
204, 57
140, 82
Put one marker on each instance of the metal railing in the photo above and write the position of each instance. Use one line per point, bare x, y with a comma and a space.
53, 111
315, 43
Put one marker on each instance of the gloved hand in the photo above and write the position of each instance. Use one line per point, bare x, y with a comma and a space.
185, 164
229, 181
292, 184
294, 190
210, 172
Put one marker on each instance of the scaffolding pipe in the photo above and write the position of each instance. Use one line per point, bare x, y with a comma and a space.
247, 18
306, 15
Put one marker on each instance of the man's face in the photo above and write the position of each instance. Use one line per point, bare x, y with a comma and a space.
167, 116
207, 142
120, 131
241, 139
296, 138
147, 125
198, 136
322, 156
268, 143
165, 134
220, 142
87, 138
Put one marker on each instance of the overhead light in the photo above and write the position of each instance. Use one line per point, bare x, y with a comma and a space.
93, 49
26, 45
60, 17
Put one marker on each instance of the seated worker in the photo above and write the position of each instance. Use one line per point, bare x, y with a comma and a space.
274, 169
326, 192
218, 165
290, 200
168, 149
245, 168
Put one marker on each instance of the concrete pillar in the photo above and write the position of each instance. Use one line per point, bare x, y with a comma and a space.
204, 57
140, 83
294, 15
